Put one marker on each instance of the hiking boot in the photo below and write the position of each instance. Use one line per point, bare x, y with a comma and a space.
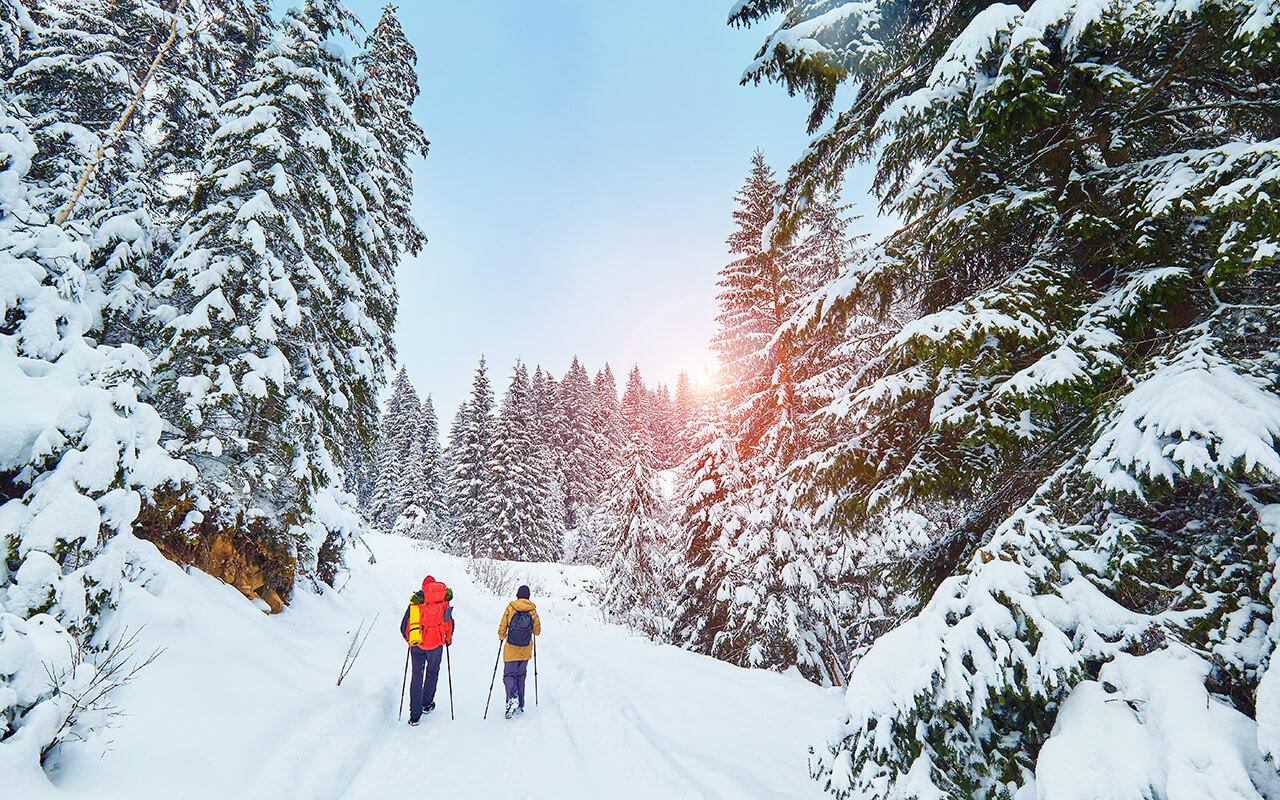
511, 707
413, 722
427, 710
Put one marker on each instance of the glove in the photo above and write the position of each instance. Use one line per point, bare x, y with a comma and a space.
448, 594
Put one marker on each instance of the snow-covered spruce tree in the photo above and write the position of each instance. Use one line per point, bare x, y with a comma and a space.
637, 413
469, 475
633, 539
432, 469
388, 88
410, 491
578, 458
521, 527
708, 516
684, 412
770, 588
80, 454
217, 43
279, 304
77, 83
397, 431
663, 428
1090, 249
609, 427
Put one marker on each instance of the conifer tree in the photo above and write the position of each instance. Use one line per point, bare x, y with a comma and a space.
81, 455
521, 522
432, 500
684, 413
1079, 271
409, 492
387, 90
578, 461
610, 429
764, 591
632, 539
279, 295
470, 478
637, 412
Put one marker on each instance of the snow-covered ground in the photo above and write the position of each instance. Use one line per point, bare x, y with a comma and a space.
245, 705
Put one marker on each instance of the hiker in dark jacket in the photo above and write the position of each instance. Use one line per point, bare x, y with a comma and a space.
427, 627
518, 627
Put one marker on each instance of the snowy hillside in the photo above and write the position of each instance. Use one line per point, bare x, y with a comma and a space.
241, 704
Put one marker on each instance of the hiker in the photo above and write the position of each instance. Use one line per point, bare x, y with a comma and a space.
518, 627
427, 627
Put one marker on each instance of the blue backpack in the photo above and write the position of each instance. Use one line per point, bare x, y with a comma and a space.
520, 629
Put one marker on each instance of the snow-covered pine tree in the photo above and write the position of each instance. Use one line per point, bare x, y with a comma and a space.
663, 428
77, 84
766, 590
748, 314
387, 89
708, 516
80, 455
433, 476
410, 492
632, 535
578, 458
637, 413
218, 42
469, 476
396, 432
521, 524
279, 303
1090, 195
609, 427
685, 410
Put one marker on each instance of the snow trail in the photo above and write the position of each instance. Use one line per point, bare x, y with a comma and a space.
245, 705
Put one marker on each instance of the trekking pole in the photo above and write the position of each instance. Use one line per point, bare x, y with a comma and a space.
403, 681
448, 671
535, 670
491, 680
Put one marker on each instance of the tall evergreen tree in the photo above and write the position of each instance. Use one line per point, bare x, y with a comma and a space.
280, 300
387, 90
765, 593
578, 455
633, 537
610, 429
637, 412
684, 413
1090, 204
396, 435
521, 523
81, 455
433, 500
470, 478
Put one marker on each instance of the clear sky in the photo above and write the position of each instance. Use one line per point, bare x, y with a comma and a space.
577, 195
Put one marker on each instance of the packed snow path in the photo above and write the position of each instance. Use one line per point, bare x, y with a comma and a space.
244, 705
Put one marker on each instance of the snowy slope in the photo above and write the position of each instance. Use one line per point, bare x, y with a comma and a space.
244, 705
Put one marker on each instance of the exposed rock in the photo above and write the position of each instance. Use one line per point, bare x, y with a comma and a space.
252, 558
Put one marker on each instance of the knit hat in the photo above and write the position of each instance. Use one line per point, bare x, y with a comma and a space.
523, 593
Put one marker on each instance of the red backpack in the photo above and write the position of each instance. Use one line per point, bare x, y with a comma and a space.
430, 617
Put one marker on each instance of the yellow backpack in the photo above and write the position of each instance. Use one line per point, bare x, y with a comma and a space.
414, 631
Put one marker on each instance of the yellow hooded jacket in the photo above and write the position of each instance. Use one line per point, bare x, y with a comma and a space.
509, 651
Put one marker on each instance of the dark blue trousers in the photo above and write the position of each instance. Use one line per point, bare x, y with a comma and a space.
513, 673
422, 687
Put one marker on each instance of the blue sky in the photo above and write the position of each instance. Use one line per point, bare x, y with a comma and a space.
578, 192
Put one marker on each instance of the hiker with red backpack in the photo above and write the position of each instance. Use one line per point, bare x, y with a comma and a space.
518, 627
427, 627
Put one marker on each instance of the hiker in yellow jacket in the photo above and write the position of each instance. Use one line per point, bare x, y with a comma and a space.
518, 627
